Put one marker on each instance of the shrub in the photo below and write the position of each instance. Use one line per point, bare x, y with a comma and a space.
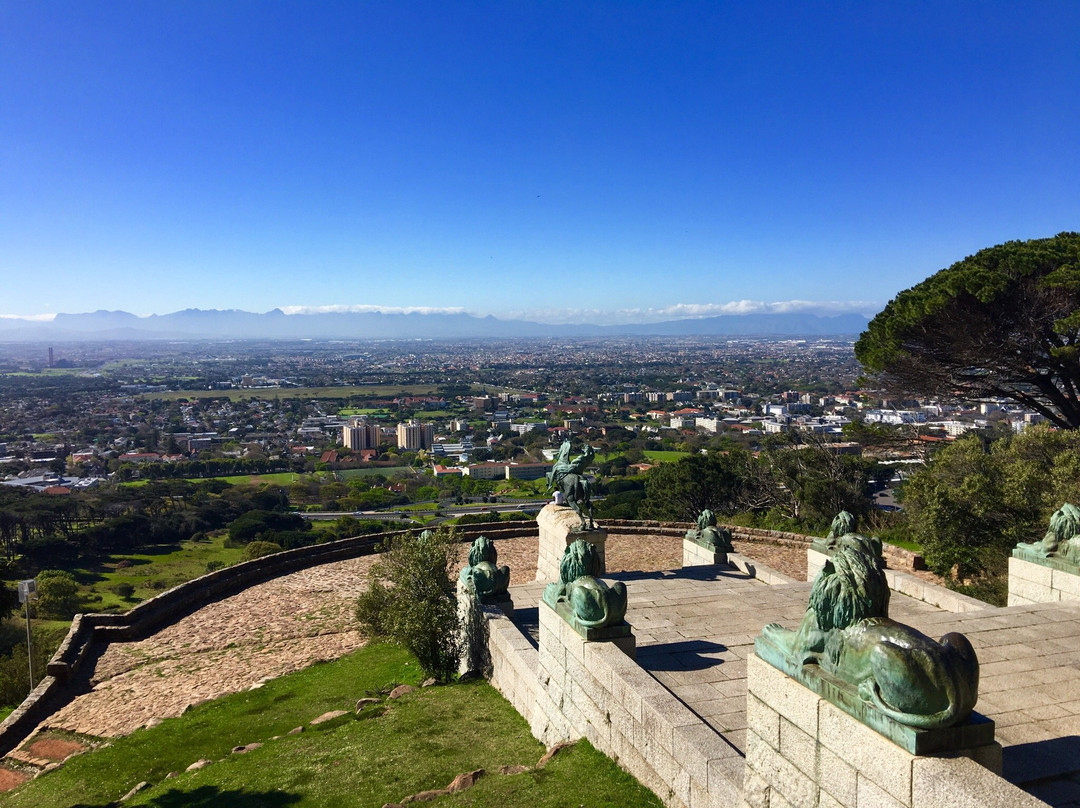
124, 590
412, 599
258, 549
57, 594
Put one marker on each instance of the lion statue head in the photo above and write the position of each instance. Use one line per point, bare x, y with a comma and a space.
706, 519
842, 524
580, 558
1064, 525
850, 587
483, 549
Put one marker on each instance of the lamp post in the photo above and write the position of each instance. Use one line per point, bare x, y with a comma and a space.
27, 590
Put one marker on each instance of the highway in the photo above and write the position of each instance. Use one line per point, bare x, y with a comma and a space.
449, 511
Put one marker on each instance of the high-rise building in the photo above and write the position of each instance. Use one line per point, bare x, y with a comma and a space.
413, 435
361, 435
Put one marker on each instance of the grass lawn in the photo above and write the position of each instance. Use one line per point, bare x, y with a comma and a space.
151, 571
914, 546
276, 478
386, 471
386, 752
664, 457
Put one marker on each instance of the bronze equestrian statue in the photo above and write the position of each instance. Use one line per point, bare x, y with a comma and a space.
567, 475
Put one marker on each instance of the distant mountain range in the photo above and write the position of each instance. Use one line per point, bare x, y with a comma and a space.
235, 324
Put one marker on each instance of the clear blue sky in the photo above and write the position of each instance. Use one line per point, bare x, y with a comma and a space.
526, 158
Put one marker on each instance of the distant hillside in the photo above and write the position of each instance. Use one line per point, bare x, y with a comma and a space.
235, 324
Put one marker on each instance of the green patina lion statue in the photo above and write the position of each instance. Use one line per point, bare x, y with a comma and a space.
1062, 539
592, 602
842, 524
481, 575
709, 535
899, 671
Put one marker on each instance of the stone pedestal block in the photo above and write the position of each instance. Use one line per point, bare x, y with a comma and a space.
803, 750
1047, 580
698, 555
475, 642
557, 523
815, 560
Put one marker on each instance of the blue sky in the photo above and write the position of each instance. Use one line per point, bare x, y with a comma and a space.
595, 161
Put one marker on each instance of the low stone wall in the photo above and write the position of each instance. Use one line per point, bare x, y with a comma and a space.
1038, 583
53, 691
602, 694
896, 557
802, 750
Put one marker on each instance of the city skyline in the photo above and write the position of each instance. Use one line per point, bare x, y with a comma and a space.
601, 163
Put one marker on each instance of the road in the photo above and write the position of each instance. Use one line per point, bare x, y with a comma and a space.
449, 511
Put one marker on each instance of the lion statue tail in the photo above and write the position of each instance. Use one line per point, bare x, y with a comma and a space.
958, 684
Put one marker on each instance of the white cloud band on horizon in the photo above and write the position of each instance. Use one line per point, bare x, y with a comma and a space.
36, 318
689, 311
365, 308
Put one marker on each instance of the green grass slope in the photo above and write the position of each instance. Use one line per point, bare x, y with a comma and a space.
388, 751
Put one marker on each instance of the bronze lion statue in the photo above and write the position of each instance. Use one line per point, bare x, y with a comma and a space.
842, 524
1062, 539
898, 670
591, 602
481, 575
708, 534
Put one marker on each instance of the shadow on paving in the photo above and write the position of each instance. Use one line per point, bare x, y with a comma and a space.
528, 622
208, 796
1030, 762
685, 655
699, 573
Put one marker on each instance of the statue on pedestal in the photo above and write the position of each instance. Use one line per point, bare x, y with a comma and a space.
568, 476
582, 598
481, 575
1062, 539
707, 534
847, 636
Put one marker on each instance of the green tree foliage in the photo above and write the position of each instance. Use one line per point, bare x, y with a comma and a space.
258, 549
681, 490
971, 504
9, 601
412, 599
622, 499
1003, 322
57, 594
802, 479
254, 524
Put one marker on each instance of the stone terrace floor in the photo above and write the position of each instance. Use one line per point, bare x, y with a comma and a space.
695, 628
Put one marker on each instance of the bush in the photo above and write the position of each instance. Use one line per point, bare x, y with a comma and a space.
258, 549
124, 590
57, 594
412, 600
